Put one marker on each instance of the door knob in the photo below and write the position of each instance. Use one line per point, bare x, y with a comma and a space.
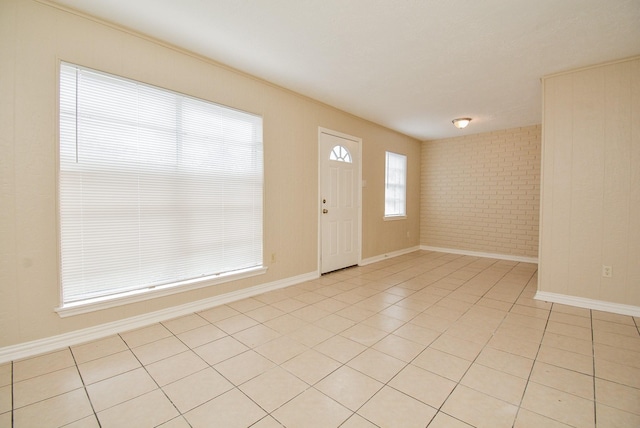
324, 211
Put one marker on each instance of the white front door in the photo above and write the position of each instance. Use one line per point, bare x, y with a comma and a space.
339, 201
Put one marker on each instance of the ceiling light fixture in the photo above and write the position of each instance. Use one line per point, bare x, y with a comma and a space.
461, 122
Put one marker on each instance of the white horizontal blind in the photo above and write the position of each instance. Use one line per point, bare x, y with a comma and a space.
395, 194
155, 187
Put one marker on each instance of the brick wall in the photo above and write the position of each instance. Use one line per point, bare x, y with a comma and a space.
482, 192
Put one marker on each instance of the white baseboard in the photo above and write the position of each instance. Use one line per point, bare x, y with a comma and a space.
481, 254
583, 302
41, 346
381, 257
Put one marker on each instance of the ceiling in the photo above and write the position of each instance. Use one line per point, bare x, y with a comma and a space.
410, 65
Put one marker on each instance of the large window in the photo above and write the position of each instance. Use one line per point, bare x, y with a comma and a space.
395, 192
156, 189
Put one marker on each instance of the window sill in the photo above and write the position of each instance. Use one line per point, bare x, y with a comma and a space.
395, 217
91, 305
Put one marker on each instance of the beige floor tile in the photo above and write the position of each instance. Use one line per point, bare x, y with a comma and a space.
256, 335
355, 313
289, 305
565, 380
610, 417
142, 336
415, 333
618, 396
42, 364
176, 367
45, 386
264, 313
442, 420
334, 323
512, 345
201, 335
246, 305
531, 312
357, 421
5, 420
443, 364
582, 333
618, 373
614, 327
96, 370
630, 343
285, 323
529, 419
576, 320
364, 334
310, 297
54, 412
311, 335
159, 350
400, 313
331, 305
565, 359
281, 349
6, 373
399, 347
377, 365
560, 406
458, 347
6, 402
617, 355
423, 385
519, 331
391, 408
312, 409
478, 409
235, 323
611, 317
310, 313
383, 322
88, 422
118, 389
273, 388
495, 383
179, 422
230, 410
349, 387
148, 410
196, 389
340, 348
218, 313
185, 323
244, 367
220, 350
432, 322
505, 362
311, 366
566, 343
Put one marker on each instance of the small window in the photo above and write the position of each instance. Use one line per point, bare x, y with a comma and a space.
340, 154
395, 194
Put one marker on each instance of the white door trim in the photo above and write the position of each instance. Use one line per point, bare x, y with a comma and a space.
321, 131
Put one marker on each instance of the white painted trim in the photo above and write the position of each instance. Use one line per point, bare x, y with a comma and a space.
583, 302
40, 346
92, 305
481, 254
381, 257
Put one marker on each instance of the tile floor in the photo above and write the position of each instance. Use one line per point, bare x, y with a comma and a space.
425, 339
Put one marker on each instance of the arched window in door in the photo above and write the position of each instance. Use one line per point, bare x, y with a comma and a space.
340, 154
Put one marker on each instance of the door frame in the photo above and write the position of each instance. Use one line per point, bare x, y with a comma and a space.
358, 140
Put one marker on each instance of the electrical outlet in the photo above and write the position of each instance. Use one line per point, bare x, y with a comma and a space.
607, 271
273, 257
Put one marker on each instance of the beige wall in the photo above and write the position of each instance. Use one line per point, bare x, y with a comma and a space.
482, 192
34, 37
591, 183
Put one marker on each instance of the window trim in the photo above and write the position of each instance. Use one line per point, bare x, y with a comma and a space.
393, 217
